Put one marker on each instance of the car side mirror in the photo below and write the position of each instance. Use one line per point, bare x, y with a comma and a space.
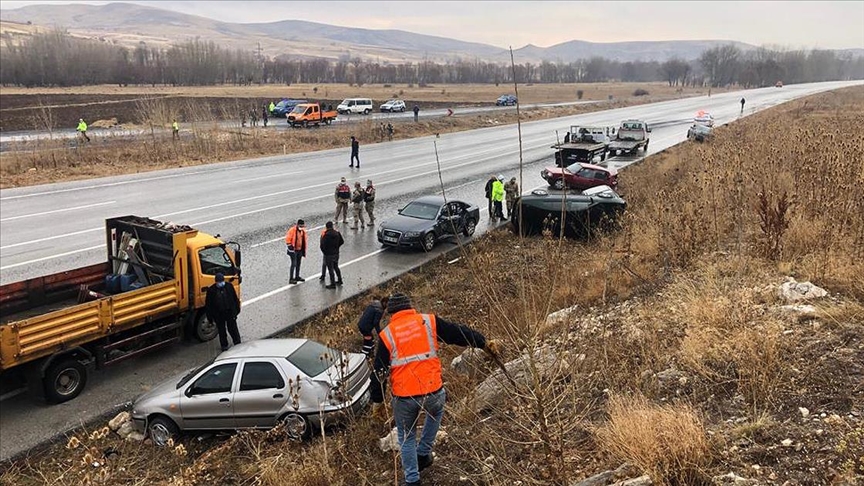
188, 392
237, 258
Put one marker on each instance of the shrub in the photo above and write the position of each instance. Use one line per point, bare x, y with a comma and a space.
666, 441
641, 92
580, 94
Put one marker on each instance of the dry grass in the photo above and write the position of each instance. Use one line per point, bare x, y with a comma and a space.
680, 291
666, 441
452, 93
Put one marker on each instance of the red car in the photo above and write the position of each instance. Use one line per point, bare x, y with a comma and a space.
580, 176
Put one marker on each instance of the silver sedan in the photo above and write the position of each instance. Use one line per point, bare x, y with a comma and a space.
258, 384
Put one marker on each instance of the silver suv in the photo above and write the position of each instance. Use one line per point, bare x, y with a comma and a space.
258, 384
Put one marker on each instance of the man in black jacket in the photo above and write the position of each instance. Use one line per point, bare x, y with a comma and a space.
330, 243
489, 194
222, 307
370, 323
355, 152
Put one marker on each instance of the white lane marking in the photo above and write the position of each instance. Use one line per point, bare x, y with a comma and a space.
33, 215
82, 250
48, 238
261, 297
269, 176
107, 184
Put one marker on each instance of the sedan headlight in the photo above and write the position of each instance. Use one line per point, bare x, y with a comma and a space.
412, 234
544, 173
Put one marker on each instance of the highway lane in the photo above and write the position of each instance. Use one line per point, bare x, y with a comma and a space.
50, 228
279, 124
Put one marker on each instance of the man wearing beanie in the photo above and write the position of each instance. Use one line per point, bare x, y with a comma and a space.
408, 348
222, 307
297, 242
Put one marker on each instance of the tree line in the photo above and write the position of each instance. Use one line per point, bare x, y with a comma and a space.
58, 59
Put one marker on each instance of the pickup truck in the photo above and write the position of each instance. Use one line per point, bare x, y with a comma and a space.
147, 294
632, 135
306, 114
581, 144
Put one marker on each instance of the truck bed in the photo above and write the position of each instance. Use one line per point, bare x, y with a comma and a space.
28, 298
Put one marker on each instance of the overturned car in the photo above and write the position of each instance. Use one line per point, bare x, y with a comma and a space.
573, 214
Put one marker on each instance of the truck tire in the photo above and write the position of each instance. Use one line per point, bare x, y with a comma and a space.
64, 380
602, 156
366, 111
202, 329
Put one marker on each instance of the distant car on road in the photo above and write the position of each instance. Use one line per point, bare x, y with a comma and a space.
580, 176
355, 105
700, 133
285, 106
778, 84
506, 100
258, 384
393, 106
540, 211
425, 221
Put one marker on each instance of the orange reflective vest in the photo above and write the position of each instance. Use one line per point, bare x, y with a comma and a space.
412, 340
296, 238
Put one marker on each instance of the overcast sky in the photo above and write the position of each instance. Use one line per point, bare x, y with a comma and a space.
794, 24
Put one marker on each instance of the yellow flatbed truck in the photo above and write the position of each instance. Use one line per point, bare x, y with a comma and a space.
149, 294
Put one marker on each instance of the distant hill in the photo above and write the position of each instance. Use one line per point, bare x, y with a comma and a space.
128, 24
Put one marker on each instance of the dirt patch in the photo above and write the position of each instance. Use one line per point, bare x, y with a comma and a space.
676, 317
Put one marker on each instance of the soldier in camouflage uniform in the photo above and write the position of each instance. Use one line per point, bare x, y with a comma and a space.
511, 190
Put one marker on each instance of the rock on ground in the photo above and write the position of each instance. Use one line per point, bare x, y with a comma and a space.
471, 362
792, 291
606, 477
119, 420
390, 442
497, 386
732, 478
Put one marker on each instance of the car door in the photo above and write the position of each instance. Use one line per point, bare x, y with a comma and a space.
207, 402
260, 395
582, 179
447, 220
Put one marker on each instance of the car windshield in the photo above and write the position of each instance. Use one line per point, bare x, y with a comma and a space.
420, 210
298, 109
312, 358
188, 376
574, 168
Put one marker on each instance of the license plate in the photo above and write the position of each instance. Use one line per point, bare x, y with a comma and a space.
391, 239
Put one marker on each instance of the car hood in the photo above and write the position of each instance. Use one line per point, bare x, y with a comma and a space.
554, 170
405, 223
162, 390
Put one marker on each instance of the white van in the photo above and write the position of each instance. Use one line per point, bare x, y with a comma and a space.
355, 105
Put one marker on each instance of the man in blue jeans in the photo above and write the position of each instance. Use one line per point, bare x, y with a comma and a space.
408, 348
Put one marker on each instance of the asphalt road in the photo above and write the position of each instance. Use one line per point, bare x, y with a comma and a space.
7, 138
46, 229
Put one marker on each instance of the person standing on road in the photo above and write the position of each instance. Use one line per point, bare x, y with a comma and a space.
511, 190
416, 113
265, 116
370, 323
343, 197
330, 243
296, 242
355, 152
408, 349
82, 129
222, 307
357, 198
488, 190
369, 200
742, 105
390, 132
175, 130
498, 197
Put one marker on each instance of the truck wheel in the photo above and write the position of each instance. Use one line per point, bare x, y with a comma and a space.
602, 156
305, 124
64, 380
161, 429
203, 329
366, 111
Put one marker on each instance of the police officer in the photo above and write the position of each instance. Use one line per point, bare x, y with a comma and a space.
357, 198
511, 190
343, 197
408, 349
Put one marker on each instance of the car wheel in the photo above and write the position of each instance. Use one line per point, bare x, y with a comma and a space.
366, 111
429, 241
297, 427
470, 226
161, 430
64, 380
559, 184
202, 329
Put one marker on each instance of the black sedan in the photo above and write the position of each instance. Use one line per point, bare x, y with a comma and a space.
540, 212
425, 221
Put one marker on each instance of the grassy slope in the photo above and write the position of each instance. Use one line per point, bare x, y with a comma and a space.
677, 360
